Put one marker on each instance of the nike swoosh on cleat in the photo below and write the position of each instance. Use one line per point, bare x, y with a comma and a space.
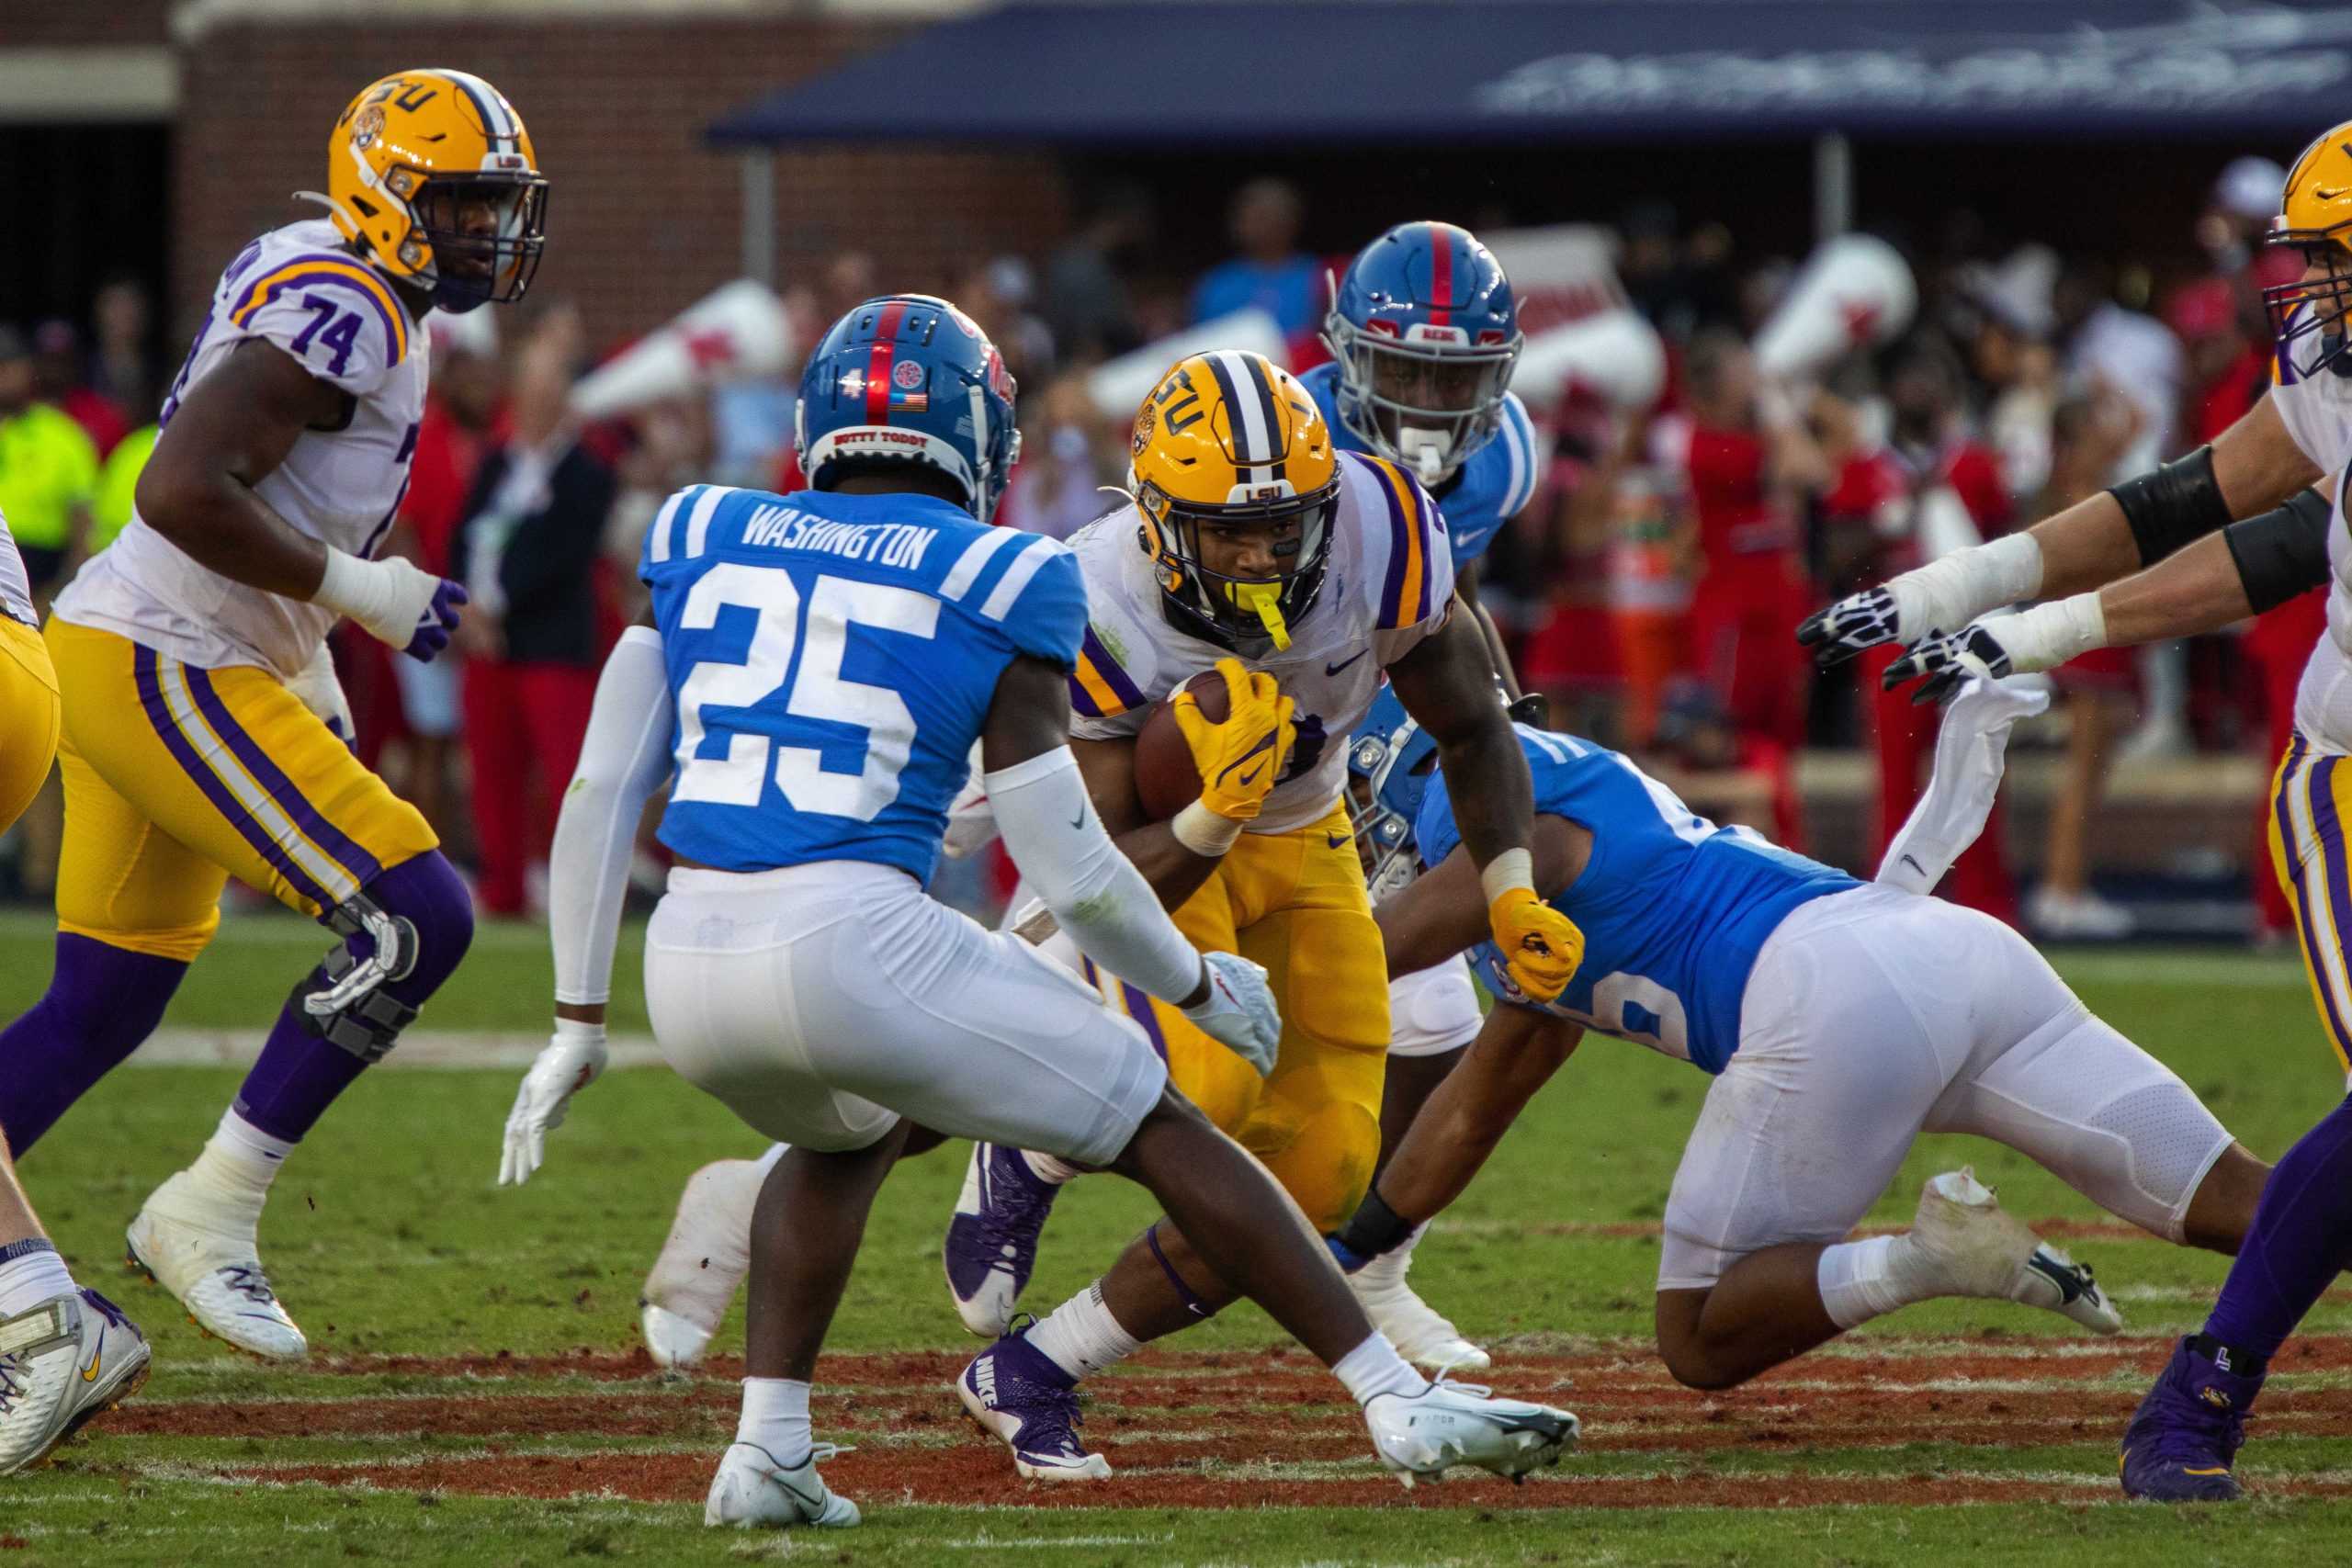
2217, 1470
2070, 1281
1342, 664
90, 1372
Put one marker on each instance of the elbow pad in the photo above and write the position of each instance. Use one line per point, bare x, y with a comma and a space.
1056, 837
2174, 505
623, 759
2283, 552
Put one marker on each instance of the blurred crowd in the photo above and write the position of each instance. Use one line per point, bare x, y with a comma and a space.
1649, 591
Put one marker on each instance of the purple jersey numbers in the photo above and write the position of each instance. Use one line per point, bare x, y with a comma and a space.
338, 337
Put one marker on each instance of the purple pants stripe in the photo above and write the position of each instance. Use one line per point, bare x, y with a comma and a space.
336, 844
159, 715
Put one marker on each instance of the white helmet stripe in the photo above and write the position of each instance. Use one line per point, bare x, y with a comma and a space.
1252, 411
487, 103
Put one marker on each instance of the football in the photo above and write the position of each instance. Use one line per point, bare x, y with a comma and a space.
1166, 779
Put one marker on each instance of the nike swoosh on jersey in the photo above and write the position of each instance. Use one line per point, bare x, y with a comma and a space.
1342, 664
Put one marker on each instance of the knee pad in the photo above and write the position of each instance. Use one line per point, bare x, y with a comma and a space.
1326, 1163
402, 934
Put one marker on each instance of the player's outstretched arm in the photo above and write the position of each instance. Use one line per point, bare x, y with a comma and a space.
2248, 568
1056, 836
1515, 1053
1448, 686
230, 431
2253, 466
623, 759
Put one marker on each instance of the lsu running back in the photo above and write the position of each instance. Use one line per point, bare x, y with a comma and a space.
200, 703
1300, 573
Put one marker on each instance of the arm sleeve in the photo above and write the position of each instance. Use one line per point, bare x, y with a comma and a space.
2283, 552
623, 759
1053, 835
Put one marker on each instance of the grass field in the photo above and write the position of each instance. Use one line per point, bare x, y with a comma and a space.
475, 1396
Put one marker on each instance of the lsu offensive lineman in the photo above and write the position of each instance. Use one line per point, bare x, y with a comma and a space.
51, 1330
2223, 556
820, 670
200, 737
1424, 334
1250, 541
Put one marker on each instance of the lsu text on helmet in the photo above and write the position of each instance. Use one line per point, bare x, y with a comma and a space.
1231, 457
909, 378
1426, 331
430, 173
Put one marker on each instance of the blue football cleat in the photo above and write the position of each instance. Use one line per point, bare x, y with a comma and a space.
1016, 1393
991, 1246
2187, 1432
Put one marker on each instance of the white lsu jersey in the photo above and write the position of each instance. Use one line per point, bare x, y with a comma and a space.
1388, 585
16, 588
2317, 412
300, 289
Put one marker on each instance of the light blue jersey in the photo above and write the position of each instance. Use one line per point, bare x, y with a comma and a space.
1673, 909
833, 658
1489, 490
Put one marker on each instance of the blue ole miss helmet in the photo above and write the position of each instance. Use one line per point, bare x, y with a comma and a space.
1426, 333
909, 378
1390, 760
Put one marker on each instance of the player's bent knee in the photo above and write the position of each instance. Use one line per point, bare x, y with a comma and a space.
2223, 1209
1690, 1359
403, 936
1326, 1166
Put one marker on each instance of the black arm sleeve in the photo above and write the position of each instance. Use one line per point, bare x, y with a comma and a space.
2283, 552
2176, 504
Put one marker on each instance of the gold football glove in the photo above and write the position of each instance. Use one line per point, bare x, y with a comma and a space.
1239, 759
1541, 946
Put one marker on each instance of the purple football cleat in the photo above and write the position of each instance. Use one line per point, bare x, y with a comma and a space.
2183, 1438
1016, 1393
991, 1243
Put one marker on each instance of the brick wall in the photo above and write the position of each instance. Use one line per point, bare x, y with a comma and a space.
643, 217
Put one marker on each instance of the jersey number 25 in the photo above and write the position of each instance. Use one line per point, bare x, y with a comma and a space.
819, 692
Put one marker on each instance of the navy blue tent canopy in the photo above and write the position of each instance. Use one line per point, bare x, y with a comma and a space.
1233, 72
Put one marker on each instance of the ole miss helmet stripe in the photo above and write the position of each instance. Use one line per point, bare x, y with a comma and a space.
877, 362
1440, 275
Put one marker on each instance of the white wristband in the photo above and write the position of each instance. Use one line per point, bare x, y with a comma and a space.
353, 587
1512, 868
579, 1031
1946, 594
1204, 832
2048, 635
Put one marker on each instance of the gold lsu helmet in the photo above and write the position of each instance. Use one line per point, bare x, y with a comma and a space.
1230, 440
2314, 217
431, 174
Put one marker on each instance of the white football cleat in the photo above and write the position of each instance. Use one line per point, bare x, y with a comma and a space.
753, 1490
1970, 1245
1421, 1334
181, 1242
702, 1263
1449, 1423
64, 1362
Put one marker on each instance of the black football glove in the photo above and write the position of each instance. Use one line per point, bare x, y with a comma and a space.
1947, 661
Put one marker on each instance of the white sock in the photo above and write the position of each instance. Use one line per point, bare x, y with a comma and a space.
766, 1162
1373, 1367
1863, 1280
1047, 1168
237, 1166
775, 1417
33, 1274
1390, 1265
1082, 1338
